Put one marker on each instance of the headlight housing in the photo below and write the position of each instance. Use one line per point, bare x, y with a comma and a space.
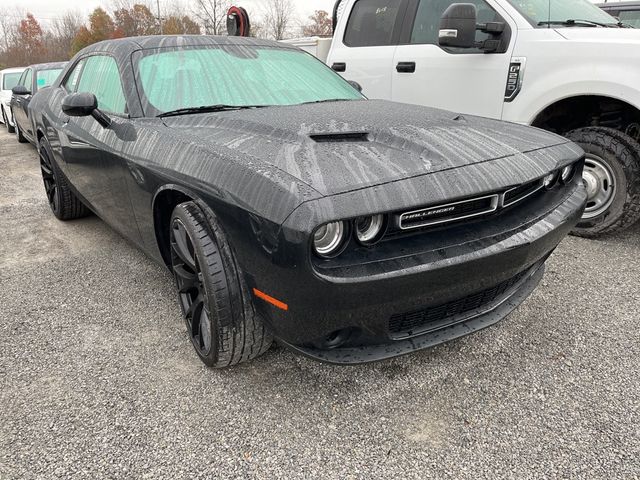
329, 239
551, 180
567, 173
369, 230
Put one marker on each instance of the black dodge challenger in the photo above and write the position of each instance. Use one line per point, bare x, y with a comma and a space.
288, 205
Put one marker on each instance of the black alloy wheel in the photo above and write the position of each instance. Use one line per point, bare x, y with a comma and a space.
221, 320
191, 289
50, 182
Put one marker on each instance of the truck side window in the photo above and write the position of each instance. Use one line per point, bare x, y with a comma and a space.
371, 23
427, 22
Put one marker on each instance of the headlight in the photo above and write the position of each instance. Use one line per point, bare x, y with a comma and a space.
567, 173
329, 238
551, 180
369, 229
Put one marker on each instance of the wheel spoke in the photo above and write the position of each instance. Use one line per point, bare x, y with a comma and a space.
181, 245
186, 280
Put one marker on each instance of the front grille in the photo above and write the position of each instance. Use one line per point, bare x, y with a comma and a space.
435, 318
450, 212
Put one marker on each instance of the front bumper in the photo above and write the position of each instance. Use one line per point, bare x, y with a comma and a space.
461, 280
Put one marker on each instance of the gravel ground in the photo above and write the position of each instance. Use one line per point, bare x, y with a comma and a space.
98, 379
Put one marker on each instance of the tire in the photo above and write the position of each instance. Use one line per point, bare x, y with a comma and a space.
63, 202
21, 138
612, 177
221, 321
10, 129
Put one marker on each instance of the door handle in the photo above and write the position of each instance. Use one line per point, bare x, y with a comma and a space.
406, 67
339, 67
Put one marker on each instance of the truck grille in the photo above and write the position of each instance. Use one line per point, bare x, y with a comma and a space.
441, 316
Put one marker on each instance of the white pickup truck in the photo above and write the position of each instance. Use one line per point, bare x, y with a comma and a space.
561, 65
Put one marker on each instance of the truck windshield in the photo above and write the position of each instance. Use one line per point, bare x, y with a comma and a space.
549, 13
235, 76
45, 78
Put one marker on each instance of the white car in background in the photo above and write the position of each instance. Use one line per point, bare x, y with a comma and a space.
8, 79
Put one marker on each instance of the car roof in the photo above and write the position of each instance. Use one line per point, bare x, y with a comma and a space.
13, 70
159, 41
47, 66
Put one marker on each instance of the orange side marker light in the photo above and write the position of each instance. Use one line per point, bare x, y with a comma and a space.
270, 299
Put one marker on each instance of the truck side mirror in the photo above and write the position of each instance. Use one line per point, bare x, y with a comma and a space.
458, 26
20, 90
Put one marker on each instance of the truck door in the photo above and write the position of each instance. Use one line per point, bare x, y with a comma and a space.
463, 80
364, 46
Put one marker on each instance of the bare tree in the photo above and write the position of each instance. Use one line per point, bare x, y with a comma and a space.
278, 18
62, 32
213, 15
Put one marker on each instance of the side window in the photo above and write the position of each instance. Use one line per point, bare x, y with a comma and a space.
100, 76
630, 17
372, 23
71, 82
427, 22
27, 79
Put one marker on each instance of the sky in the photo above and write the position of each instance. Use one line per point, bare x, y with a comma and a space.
45, 10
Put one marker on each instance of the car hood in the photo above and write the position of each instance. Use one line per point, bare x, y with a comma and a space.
602, 37
343, 146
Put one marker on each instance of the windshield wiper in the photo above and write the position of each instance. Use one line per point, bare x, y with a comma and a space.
573, 22
328, 101
207, 109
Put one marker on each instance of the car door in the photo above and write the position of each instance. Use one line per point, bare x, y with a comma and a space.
20, 102
91, 151
363, 49
463, 80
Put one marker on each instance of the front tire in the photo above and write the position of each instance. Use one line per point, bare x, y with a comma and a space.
612, 178
63, 202
221, 322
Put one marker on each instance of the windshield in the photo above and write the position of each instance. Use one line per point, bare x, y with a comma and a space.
45, 78
10, 80
537, 11
237, 76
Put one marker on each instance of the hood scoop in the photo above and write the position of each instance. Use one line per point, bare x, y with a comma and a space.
340, 137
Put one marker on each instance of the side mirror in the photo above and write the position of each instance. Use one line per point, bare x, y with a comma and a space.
79, 104
20, 90
82, 105
355, 85
458, 26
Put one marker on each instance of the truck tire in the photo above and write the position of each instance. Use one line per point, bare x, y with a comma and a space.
612, 178
63, 202
221, 321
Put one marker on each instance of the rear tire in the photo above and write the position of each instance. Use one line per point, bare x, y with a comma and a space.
10, 129
221, 321
63, 202
612, 177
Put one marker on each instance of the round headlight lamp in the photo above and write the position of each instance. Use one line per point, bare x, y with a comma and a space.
551, 180
369, 229
329, 238
567, 173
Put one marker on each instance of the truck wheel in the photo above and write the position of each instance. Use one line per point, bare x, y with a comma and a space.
221, 321
63, 202
10, 129
612, 178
